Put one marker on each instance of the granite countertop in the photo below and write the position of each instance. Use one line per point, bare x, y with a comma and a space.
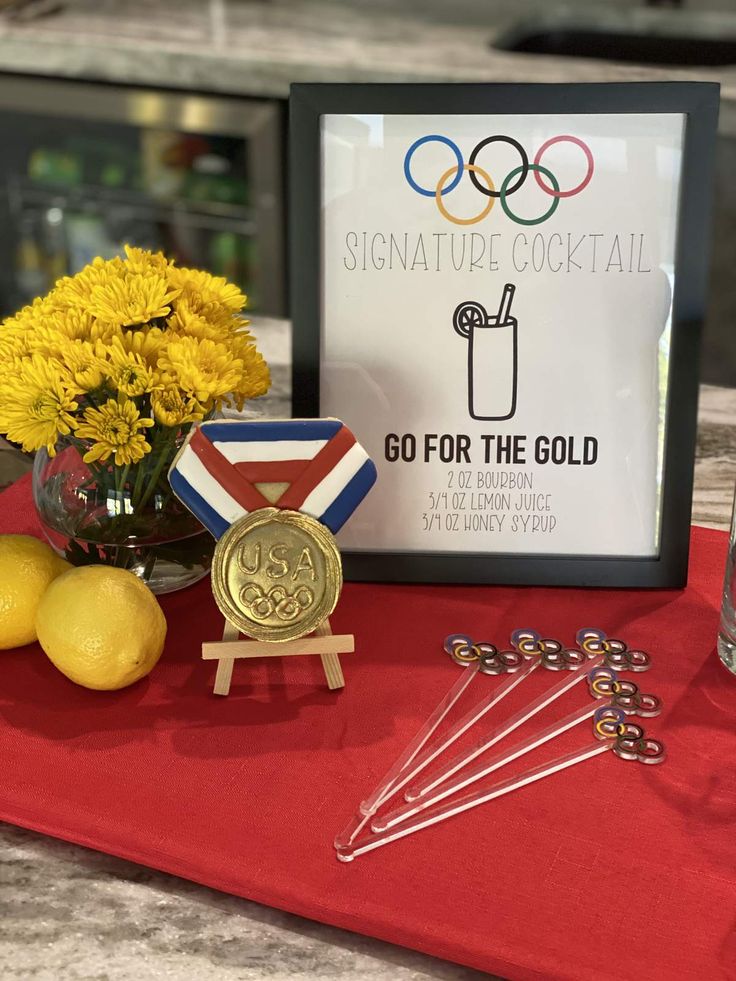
258, 48
70, 913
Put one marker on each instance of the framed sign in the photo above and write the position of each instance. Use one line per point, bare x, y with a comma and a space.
499, 288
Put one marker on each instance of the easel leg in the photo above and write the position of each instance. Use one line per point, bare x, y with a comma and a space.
330, 662
225, 664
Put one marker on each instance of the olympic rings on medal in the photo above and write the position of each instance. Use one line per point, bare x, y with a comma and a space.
465, 651
616, 652
513, 181
260, 606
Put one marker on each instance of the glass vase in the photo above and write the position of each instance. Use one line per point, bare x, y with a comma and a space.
120, 516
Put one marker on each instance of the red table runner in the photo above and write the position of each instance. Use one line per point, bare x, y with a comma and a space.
610, 870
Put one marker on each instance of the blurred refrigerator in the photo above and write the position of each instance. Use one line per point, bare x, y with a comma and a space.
88, 167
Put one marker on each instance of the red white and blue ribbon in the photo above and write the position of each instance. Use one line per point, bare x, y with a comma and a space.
217, 471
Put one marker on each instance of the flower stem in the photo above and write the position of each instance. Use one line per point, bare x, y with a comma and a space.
121, 477
138, 486
93, 400
163, 459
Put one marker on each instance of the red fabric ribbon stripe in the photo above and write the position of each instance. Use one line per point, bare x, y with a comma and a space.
317, 469
270, 471
237, 486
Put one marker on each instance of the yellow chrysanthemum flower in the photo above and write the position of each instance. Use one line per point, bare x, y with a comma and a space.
36, 312
10, 361
203, 369
141, 260
76, 291
115, 429
126, 371
216, 314
49, 341
27, 326
201, 289
82, 360
131, 300
73, 323
11, 350
146, 343
14, 343
36, 406
184, 322
256, 377
138, 328
170, 408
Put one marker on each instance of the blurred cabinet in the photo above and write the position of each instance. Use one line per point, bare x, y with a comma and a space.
87, 167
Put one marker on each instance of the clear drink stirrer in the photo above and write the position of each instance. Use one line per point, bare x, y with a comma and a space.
596, 649
603, 682
628, 742
479, 658
530, 650
496, 735
595, 645
484, 706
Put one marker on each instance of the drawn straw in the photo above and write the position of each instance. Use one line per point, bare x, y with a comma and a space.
504, 309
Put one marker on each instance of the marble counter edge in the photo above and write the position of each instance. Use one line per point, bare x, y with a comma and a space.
262, 59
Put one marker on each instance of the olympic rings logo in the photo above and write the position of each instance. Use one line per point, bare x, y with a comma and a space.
603, 682
261, 606
617, 653
552, 654
490, 660
514, 180
630, 742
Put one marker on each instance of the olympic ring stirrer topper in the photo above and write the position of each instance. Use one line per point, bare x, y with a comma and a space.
274, 493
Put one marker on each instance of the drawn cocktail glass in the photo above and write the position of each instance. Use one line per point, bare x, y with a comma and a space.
492, 356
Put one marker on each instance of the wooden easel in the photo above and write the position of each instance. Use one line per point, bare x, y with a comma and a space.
322, 642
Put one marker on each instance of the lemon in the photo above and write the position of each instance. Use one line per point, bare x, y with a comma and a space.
27, 566
101, 627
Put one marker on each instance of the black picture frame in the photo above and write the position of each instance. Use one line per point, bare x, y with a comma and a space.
699, 102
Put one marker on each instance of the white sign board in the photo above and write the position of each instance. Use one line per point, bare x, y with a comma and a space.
495, 325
